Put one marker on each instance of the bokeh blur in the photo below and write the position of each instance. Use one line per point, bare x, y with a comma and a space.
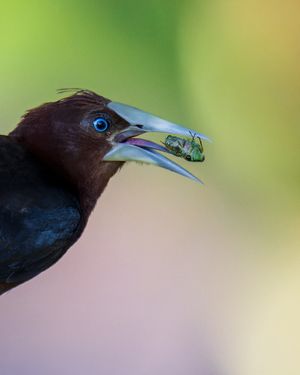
169, 277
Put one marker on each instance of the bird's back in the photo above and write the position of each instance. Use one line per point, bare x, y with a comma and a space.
40, 218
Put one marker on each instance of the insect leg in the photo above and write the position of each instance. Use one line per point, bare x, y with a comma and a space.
193, 136
201, 145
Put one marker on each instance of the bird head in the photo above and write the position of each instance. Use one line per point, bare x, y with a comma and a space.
87, 138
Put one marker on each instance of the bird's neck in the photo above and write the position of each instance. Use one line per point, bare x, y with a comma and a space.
91, 184
84, 173
87, 180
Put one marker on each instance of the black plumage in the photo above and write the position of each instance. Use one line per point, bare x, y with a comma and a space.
40, 216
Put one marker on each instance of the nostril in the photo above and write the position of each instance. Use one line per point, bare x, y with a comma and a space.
139, 126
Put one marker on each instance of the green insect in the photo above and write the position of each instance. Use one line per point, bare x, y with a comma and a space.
190, 150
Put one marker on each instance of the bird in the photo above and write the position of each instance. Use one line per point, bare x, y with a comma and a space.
55, 165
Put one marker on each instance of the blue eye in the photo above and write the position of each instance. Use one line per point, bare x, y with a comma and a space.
101, 124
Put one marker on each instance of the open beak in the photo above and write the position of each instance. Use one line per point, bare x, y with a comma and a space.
127, 148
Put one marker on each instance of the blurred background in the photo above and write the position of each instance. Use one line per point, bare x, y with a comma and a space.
169, 277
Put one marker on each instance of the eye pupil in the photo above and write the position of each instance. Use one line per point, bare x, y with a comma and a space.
101, 124
188, 157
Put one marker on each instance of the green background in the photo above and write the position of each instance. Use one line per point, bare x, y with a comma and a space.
227, 69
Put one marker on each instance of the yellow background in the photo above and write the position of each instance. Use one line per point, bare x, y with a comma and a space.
169, 277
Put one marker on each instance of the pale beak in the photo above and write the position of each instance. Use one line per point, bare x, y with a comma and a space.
127, 148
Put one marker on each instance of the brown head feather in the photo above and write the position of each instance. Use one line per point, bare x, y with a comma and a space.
61, 135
